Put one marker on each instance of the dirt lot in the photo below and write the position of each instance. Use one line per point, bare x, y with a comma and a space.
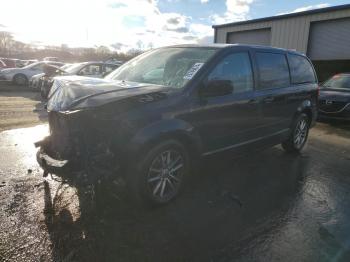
19, 109
268, 206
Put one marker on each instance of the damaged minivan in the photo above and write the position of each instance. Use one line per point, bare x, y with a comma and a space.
150, 120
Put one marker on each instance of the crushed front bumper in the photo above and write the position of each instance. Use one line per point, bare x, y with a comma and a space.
51, 165
101, 165
48, 163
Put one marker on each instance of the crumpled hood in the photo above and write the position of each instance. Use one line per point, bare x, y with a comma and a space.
335, 95
77, 92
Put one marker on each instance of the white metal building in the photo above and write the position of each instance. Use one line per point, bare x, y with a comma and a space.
323, 34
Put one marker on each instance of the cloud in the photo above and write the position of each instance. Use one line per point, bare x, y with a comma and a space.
118, 46
178, 30
306, 8
204, 1
189, 37
236, 10
206, 40
174, 20
119, 24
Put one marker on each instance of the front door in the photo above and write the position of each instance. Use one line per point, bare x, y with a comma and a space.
226, 121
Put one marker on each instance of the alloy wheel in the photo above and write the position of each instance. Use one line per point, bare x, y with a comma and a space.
300, 133
20, 80
165, 174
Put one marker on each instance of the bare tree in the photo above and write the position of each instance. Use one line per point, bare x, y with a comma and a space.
5, 42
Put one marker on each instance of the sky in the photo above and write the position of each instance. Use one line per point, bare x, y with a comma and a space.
125, 24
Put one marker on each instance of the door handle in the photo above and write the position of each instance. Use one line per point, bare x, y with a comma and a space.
269, 99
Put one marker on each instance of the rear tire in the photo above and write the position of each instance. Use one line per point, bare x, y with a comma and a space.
158, 179
20, 80
299, 134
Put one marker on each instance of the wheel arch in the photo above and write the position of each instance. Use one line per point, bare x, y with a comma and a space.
19, 74
306, 108
175, 129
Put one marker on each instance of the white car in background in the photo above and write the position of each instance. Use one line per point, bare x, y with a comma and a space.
21, 76
91, 69
88, 69
36, 80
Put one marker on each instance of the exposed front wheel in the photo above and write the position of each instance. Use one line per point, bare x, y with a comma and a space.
299, 134
160, 176
20, 79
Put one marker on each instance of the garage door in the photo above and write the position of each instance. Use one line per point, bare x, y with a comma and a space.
330, 40
253, 37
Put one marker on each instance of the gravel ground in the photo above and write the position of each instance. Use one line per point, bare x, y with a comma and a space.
20, 109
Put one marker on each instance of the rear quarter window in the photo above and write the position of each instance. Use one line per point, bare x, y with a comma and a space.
301, 70
273, 70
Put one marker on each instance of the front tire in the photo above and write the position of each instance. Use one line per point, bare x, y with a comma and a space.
299, 134
161, 172
20, 80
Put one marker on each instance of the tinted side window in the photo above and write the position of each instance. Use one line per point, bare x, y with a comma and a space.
301, 70
90, 70
109, 68
237, 69
38, 66
273, 70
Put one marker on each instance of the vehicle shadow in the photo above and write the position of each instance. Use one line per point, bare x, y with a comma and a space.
70, 241
222, 204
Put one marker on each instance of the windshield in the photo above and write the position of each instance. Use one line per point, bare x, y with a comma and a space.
73, 68
171, 67
65, 67
338, 81
32, 65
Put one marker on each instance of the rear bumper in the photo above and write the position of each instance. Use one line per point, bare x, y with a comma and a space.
343, 114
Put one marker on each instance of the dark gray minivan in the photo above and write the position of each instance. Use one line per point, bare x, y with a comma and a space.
152, 117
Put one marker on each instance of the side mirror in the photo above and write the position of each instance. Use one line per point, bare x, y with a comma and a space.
216, 88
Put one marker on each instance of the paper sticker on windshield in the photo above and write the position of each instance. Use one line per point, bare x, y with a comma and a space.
193, 70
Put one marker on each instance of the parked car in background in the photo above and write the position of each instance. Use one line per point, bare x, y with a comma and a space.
51, 58
2, 64
30, 61
21, 76
9, 62
334, 98
89, 69
114, 61
150, 120
35, 81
